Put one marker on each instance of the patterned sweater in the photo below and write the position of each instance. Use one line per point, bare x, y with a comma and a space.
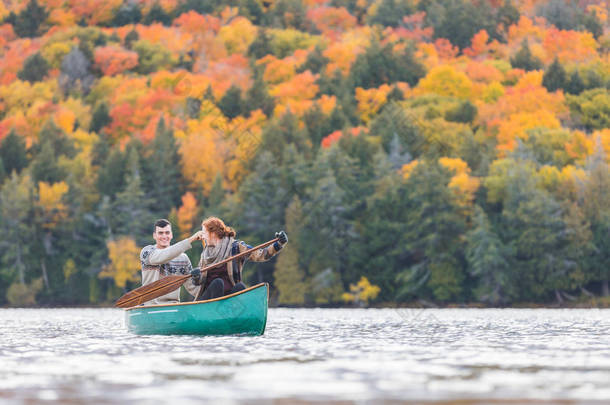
158, 263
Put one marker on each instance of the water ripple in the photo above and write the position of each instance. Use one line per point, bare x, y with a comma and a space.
85, 356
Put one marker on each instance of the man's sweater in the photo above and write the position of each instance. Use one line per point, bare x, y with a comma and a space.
158, 263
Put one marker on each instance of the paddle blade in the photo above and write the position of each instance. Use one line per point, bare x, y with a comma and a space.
151, 291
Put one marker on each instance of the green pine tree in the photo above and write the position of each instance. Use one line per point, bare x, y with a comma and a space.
289, 277
13, 153
35, 68
231, 104
524, 59
554, 77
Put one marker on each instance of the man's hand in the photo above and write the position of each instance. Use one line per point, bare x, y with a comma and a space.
196, 275
196, 236
282, 237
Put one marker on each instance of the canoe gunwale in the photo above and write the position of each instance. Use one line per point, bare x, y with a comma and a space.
224, 297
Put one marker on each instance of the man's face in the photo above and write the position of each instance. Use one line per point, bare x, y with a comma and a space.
163, 236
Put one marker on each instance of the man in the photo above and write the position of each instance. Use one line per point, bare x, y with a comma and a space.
161, 260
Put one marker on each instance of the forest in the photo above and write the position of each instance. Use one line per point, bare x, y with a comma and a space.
452, 152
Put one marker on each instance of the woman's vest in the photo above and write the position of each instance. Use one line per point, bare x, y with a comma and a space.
230, 271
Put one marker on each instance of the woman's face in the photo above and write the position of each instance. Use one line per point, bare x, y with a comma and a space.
206, 235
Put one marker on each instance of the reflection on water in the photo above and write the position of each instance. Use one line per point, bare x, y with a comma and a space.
465, 356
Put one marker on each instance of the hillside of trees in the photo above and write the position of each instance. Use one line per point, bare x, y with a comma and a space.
452, 151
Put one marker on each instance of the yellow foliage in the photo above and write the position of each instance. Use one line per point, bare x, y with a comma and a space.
238, 35
363, 292
124, 264
407, 169
55, 52
461, 183
370, 101
69, 269
22, 295
50, 200
604, 138
65, 119
445, 80
492, 92
187, 213
295, 94
244, 137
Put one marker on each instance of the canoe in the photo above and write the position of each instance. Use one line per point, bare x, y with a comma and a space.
242, 313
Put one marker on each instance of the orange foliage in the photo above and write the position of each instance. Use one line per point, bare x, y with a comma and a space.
408, 168
343, 52
334, 137
445, 49
187, 214
517, 125
295, 94
195, 23
329, 19
580, 146
233, 70
6, 34
94, 11
479, 44
370, 101
483, 72
412, 28
13, 56
569, 46
113, 59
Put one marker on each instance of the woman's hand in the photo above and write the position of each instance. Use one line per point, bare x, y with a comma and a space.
196, 236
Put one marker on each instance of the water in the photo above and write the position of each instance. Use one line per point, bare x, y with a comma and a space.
449, 356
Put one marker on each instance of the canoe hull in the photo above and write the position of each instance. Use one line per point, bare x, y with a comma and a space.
242, 313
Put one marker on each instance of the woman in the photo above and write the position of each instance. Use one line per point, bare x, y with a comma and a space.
220, 243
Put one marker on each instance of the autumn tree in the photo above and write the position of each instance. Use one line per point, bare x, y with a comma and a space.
124, 263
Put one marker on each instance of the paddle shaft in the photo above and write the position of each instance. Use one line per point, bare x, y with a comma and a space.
160, 287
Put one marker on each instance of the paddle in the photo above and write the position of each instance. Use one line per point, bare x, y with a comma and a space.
168, 284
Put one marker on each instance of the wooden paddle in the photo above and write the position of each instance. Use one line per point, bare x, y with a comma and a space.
168, 284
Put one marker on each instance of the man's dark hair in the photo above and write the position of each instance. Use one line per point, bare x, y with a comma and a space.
161, 223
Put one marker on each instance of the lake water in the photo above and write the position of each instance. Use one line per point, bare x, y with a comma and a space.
448, 356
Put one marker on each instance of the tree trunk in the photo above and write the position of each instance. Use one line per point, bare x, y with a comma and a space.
605, 289
586, 292
558, 296
45, 277
20, 265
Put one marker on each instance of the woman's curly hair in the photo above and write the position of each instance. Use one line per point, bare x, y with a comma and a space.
217, 227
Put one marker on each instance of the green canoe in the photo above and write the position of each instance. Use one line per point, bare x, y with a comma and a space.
243, 313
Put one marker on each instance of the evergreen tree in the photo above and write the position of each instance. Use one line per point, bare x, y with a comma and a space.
575, 84
2, 172
130, 210
433, 237
378, 65
29, 22
390, 13
524, 59
13, 153
111, 175
465, 112
253, 10
486, 261
554, 77
35, 68
214, 206
128, 13
393, 122
163, 175
261, 45
315, 61
317, 125
459, 20
100, 118
289, 277
157, 14
596, 207
131, 38
231, 104
258, 97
